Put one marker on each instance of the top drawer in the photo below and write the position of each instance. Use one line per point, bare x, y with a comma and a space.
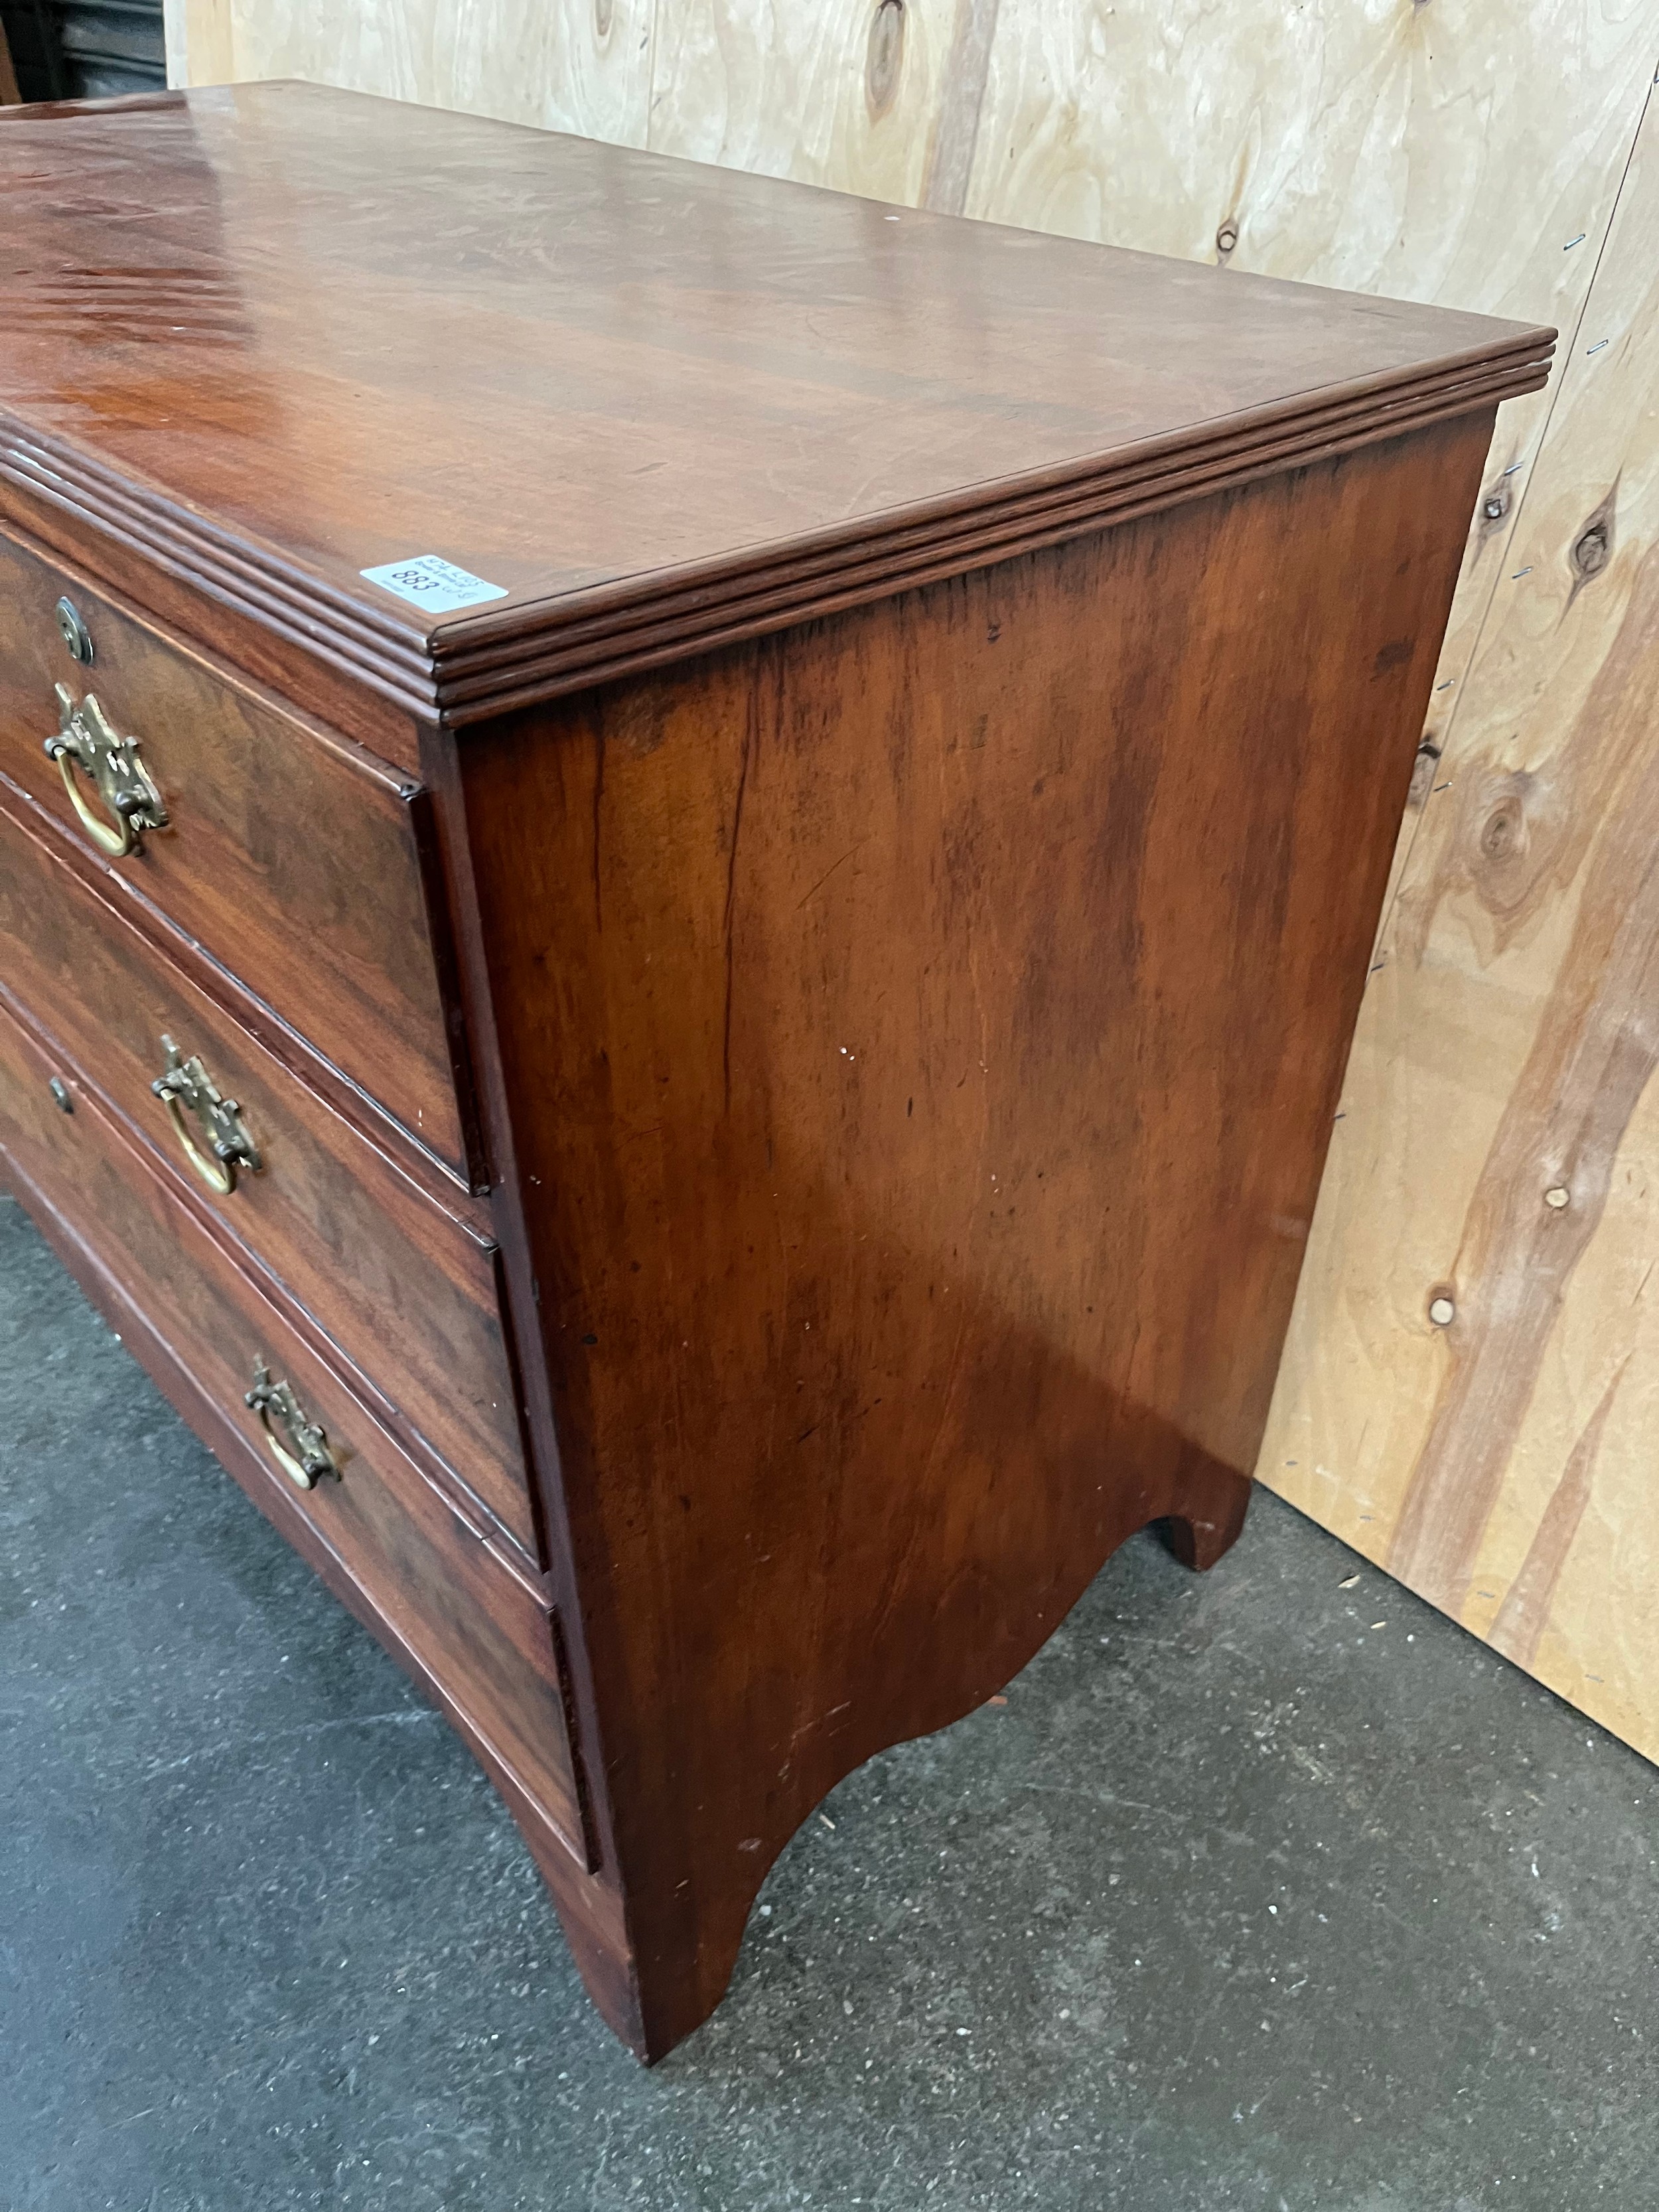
292, 856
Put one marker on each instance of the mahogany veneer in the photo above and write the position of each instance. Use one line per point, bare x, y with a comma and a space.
772, 1071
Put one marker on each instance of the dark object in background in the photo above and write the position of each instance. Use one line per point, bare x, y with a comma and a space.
85, 49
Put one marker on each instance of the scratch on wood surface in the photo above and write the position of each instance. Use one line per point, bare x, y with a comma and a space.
750, 739
962, 101
830, 871
597, 727
1595, 1049
1526, 1607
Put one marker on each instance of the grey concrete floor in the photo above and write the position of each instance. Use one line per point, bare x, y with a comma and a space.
1240, 1902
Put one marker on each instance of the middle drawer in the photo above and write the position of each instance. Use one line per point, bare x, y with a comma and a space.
410, 1292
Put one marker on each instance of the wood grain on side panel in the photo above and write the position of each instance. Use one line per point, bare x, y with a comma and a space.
892, 1015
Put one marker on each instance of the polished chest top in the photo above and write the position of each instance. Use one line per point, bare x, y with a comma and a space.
684, 869
345, 332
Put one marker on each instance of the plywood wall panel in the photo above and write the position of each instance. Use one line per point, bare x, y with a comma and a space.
200, 44
582, 66
1500, 1139
844, 94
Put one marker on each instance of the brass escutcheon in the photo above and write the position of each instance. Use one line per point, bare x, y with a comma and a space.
85, 741
73, 631
185, 1087
301, 1452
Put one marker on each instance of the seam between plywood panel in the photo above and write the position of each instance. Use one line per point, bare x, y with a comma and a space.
650, 74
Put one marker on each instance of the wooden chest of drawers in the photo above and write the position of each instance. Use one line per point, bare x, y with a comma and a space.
684, 868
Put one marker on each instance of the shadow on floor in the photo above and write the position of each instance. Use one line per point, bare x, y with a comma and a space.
1239, 1902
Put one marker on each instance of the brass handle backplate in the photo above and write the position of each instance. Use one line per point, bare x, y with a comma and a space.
219, 1143
110, 764
301, 1449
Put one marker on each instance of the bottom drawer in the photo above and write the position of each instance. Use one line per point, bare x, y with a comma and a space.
477, 1631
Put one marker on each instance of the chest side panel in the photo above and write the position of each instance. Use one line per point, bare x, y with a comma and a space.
922, 1034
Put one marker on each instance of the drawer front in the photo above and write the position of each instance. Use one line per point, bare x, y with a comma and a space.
409, 1292
290, 855
478, 1630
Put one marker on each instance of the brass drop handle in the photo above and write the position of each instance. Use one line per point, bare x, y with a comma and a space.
110, 764
301, 1449
219, 1143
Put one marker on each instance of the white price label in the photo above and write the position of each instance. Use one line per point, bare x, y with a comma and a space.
427, 579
